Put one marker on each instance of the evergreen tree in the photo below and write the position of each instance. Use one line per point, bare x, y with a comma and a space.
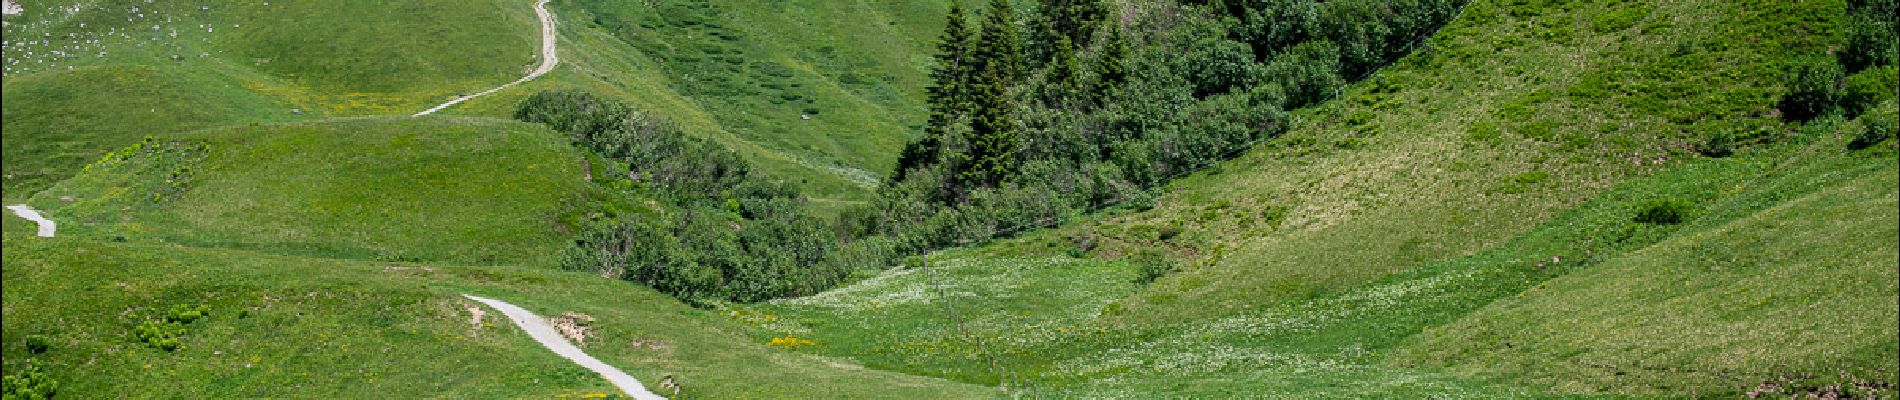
1111, 67
993, 134
949, 97
1075, 20
1063, 76
998, 48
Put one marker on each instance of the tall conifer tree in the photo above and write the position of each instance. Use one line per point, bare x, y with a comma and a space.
998, 47
1111, 67
949, 97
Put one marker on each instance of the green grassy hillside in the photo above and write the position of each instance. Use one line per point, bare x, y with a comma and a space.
1590, 302
84, 79
1522, 208
430, 189
292, 327
1503, 124
743, 73
1802, 291
1380, 248
59, 121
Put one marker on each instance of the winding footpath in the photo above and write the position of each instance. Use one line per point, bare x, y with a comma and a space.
541, 331
536, 326
47, 227
549, 59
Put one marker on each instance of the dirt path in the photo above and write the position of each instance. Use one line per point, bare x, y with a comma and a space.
541, 331
47, 227
549, 59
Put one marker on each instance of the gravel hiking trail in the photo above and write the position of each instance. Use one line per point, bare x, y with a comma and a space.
541, 331
47, 227
549, 59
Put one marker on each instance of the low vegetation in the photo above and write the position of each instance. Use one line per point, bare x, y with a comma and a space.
292, 326
393, 189
957, 199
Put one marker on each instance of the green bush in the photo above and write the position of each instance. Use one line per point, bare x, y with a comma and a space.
28, 383
162, 335
1664, 211
1814, 88
722, 233
184, 314
1150, 265
1870, 35
1719, 143
1868, 88
1308, 72
37, 344
1877, 126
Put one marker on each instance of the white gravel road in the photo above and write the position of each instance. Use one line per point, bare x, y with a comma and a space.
549, 59
47, 227
539, 329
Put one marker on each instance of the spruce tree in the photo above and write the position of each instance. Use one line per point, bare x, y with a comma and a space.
1061, 80
998, 48
997, 59
1076, 20
1111, 67
993, 134
948, 97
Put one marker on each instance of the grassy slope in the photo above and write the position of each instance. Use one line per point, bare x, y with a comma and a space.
1478, 325
367, 58
1502, 125
433, 189
118, 80
1805, 287
1446, 183
741, 73
294, 327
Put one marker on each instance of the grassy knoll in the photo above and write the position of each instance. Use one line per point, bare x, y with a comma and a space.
292, 327
430, 189
83, 79
57, 122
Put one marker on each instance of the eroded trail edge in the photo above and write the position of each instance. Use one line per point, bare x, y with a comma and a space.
549, 59
539, 329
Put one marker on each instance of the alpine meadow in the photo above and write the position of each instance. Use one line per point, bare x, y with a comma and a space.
958, 199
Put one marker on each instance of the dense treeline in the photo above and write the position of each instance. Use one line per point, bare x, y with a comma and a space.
1034, 118
1107, 102
717, 231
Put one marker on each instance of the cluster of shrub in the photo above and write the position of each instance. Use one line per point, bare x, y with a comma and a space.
1857, 79
164, 333
1077, 108
29, 382
716, 231
1101, 106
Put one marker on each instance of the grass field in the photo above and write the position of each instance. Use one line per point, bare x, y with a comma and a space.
293, 327
1462, 224
1458, 225
746, 74
1635, 300
93, 77
438, 189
